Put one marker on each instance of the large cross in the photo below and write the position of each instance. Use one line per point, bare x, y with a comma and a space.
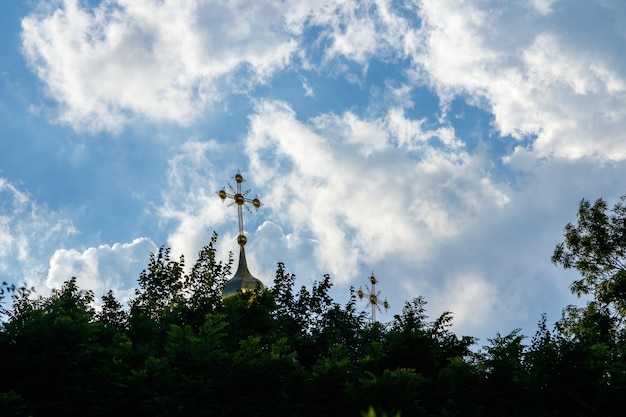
240, 199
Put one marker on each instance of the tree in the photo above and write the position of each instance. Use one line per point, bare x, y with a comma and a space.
161, 286
593, 337
180, 350
17, 293
53, 357
596, 247
202, 287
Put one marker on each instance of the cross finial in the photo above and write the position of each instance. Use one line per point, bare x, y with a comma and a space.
373, 297
240, 199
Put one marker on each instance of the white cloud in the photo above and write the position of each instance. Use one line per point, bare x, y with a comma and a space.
420, 209
543, 6
167, 61
190, 200
270, 245
540, 75
346, 183
308, 90
472, 299
27, 231
164, 61
102, 268
345, 193
30, 254
360, 30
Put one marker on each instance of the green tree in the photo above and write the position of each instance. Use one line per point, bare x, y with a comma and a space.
414, 342
180, 350
590, 339
596, 247
160, 286
202, 287
53, 357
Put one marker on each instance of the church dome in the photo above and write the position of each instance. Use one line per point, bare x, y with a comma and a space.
242, 280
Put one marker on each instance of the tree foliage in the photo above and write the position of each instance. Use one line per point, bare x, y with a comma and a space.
178, 349
596, 247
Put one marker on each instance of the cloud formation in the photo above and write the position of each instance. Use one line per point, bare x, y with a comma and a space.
190, 203
365, 189
28, 231
392, 178
102, 268
547, 85
162, 61
32, 237
534, 67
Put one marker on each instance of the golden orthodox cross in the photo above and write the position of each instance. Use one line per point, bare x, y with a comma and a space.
373, 297
240, 199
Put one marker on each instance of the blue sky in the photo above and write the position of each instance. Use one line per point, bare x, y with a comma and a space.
442, 144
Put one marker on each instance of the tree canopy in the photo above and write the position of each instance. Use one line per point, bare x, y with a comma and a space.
596, 248
178, 349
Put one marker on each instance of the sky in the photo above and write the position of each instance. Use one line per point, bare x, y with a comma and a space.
441, 144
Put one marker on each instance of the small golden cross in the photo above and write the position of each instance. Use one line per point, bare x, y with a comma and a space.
240, 199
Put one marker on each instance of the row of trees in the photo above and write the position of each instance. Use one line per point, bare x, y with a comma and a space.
177, 349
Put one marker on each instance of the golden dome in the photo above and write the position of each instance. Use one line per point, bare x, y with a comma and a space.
242, 280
